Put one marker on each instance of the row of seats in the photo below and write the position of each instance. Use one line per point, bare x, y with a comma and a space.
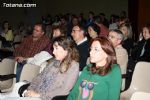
140, 80
8, 67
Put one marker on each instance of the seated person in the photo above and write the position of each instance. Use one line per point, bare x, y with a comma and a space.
59, 76
93, 30
30, 46
100, 80
142, 51
7, 35
116, 37
128, 42
82, 44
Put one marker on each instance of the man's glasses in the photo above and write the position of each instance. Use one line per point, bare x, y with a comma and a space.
112, 37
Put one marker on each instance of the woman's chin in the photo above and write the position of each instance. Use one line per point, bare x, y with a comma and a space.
92, 60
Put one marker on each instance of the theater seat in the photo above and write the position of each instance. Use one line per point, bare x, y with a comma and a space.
140, 96
29, 71
140, 80
7, 75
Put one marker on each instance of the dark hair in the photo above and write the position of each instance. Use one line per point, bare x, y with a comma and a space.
83, 29
95, 27
68, 45
108, 48
148, 27
9, 27
97, 19
62, 30
42, 26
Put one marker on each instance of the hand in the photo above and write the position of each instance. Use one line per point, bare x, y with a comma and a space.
31, 93
20, 59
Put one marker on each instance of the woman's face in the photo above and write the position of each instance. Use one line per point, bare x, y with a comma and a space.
146, 33
59, 52
91, 32
97, 54
6, 25
124, 30
56, 33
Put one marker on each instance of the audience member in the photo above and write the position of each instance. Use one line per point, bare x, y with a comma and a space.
93, 30
79, 36
7, 35
100, 80
142, 51
61, 73
30, 46
117, 37
128, 41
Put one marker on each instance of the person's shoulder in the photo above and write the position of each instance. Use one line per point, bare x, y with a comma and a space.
148, 41
115, 67
87, 67
74, 66
75, 63
45, 37
28, 38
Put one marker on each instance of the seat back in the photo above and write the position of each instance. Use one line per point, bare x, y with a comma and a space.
140, 80
140, 96
29, 71
17, 40
7, 66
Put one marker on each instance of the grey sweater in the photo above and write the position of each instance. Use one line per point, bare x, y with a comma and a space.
51, 82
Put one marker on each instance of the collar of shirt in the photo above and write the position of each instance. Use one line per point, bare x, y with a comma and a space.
85, 39
118, 47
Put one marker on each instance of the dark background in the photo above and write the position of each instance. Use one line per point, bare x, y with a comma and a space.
138, 10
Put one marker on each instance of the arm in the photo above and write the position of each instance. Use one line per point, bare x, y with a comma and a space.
146, 55
122, 59
115, 84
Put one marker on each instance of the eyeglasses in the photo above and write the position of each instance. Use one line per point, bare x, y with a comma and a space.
112, 37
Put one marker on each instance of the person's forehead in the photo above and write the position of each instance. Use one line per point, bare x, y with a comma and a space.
145, 29
37, 26
113, 33
76, 27
96, 44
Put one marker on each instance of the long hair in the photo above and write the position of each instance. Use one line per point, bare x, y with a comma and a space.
129, 29
108, 48
68, 45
